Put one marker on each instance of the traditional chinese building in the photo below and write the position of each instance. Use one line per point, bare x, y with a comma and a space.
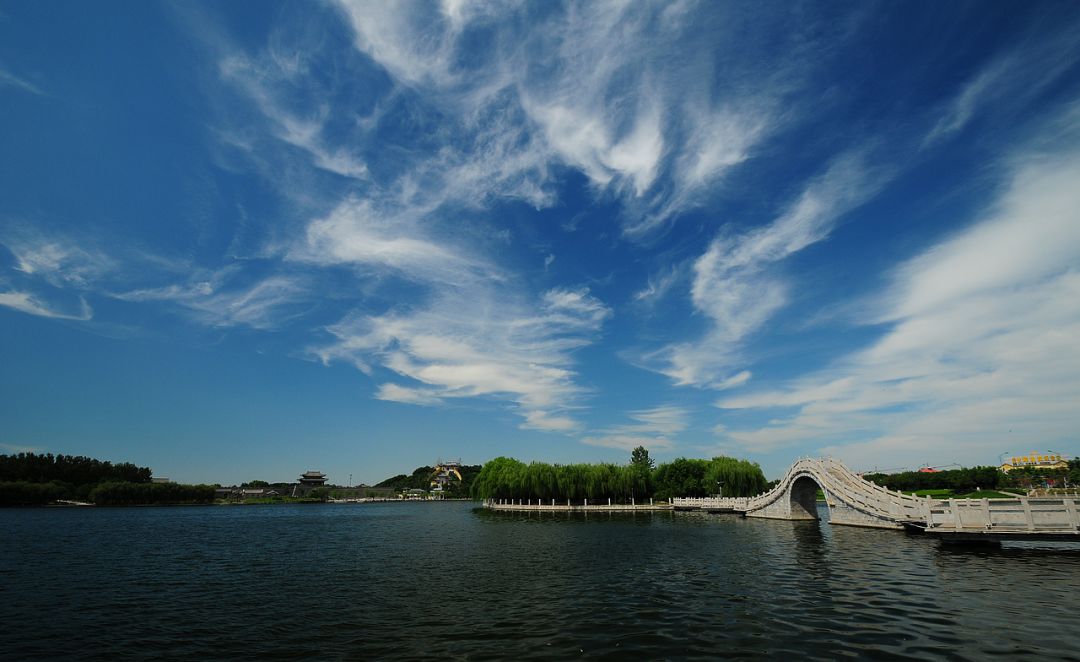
308, 481
444, 473
313, 479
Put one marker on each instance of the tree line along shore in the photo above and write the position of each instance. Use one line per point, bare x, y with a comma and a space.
29, 479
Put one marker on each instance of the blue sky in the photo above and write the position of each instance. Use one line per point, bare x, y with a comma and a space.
241, 240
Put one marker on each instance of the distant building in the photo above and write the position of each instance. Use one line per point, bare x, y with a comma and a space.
1047, 461
155, 479
313, 479
309, 480
444, 474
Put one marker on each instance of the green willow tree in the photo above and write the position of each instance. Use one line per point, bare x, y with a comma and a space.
507, 478
685, 477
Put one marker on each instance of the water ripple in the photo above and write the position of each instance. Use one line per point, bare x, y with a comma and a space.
412, 581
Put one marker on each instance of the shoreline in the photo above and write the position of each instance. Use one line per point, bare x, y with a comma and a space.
564, 508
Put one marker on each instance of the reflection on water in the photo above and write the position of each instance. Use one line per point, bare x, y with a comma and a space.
431, 580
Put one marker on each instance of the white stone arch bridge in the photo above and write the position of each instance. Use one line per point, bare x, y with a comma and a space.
851, 500
857, 502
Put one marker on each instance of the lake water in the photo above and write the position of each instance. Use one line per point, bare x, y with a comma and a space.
436, 580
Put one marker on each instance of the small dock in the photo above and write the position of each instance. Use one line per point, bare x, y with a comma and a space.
553, 506
715, 505
996, 520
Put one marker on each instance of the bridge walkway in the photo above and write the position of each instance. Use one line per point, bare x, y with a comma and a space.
854, 501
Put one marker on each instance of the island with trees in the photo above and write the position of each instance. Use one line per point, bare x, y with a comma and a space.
638, 482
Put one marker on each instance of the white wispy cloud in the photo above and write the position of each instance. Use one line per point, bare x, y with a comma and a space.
474, 334
67, 268
214, 299
980, 356
413, 396
27, 303
1009, 82
269, 78
652, 428
658, 286
628, 442
11, 80
392, 238
219, 298
738, 284
59, 260
471, 326
599, 86
476, 342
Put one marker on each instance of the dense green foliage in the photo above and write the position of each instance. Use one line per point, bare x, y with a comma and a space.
419, 480
71, 469
25, 493
128, 494
697, 478
1032, 477
958, 480
29, 479
641, 465
507, 478
961, 481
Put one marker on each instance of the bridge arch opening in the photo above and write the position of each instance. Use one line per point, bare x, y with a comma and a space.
804, 498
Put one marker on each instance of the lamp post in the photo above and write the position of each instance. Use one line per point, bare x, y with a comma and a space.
719, 489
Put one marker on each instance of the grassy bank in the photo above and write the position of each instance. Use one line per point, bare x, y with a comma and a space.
1003, 493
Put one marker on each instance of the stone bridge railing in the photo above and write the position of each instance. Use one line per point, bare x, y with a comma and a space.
1023, 515
857, 502
851, 499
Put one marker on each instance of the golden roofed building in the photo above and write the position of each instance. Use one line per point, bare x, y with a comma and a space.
1036, 461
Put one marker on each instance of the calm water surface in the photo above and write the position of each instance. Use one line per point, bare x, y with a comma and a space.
434, 580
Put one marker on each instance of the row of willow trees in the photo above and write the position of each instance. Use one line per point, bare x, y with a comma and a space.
507, 478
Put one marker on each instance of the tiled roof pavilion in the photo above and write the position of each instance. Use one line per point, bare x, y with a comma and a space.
313, 478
